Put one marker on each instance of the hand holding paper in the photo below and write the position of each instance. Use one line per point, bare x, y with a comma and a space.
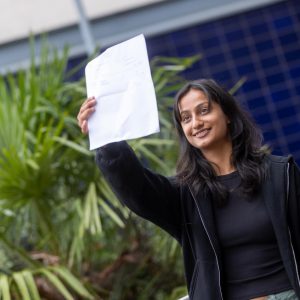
120, 79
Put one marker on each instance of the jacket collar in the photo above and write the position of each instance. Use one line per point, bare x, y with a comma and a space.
274, 193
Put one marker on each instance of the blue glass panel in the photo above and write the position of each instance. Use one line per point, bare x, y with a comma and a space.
296, 5
240, 52
288, 38
251, 16
259, 29
185, 50
298, 89
180, 36
295, 71
282, 95
222, 76
294, 146
206, 28
265, 45
276, 150
216, 59
263, 118
270, 136
293, 55
251, 85
283, 22
256, 102
246, 69
235, 35
276, 78
269, 62
228, 22
286, 112
211, 42
158, 40
291, 128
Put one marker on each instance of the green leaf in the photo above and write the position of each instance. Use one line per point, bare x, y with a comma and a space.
157, 142
57, 283
72, 282
91, 217
72, 145
4, 287
28, 277
150, 155
32, 164
111, 213
20, 282
241, 81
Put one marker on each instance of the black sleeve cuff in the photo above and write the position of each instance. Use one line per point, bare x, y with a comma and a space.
111, 151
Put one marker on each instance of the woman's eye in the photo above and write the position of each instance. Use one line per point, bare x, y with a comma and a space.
185, 119
204, 110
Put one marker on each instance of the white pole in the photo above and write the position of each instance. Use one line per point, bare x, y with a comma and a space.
85, 29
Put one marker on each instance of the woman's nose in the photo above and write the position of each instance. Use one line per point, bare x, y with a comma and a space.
197, 122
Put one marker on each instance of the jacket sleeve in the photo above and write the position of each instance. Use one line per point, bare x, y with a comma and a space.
149, 195
293, 208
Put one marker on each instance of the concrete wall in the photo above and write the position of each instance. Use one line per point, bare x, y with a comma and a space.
18, 18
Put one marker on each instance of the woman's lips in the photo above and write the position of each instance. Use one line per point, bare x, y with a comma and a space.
202, 133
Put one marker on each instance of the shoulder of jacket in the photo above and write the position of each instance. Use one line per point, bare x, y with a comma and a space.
280, 159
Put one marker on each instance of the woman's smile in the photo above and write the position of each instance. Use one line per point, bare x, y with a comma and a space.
202, 133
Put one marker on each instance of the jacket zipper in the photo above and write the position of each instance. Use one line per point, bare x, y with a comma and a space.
290, 237
210, 242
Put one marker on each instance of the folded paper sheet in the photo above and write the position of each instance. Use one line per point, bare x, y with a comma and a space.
120, 80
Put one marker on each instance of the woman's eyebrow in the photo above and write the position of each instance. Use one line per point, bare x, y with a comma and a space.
196, 107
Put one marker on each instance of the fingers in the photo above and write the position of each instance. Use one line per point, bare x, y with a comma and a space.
86, 109
84, 127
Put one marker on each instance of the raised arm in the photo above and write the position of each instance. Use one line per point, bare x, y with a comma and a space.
151, 196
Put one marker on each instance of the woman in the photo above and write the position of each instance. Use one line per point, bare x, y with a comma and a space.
233, 208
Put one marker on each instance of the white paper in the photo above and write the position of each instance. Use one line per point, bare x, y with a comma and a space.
120, 80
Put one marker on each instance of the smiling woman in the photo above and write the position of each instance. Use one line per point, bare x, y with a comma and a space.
232, 206
204, 123
208, 118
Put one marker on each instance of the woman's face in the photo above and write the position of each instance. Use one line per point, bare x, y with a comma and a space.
204, 123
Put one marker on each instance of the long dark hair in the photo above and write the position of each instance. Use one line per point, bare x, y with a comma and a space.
247, 151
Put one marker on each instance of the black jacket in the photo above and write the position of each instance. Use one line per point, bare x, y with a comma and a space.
187, 216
